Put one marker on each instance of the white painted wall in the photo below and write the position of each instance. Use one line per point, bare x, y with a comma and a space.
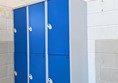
102, 24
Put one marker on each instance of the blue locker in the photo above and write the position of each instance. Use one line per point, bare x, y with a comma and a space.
20, 25
37, 42
58, 17
37, 68
37, 23
59, 70
20, 67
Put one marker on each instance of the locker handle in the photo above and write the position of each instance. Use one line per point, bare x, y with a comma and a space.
15, 73
50, 80
30, 77
49, 26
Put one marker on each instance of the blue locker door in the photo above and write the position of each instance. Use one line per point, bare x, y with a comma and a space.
59, 70
20, 67
20, 24
37, 23
37, 68
58, 15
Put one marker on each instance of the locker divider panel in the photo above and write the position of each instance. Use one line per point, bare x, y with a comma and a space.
59, 69
20, 64
37, 23
37, 68
20, 25
58, 17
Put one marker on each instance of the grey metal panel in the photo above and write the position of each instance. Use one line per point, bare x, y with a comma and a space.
78, 41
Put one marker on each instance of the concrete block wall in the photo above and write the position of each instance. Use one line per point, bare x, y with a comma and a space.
102, 24
106, 61
6, 45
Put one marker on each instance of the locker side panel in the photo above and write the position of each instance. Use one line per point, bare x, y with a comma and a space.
37, 68
58, 17
20, 24
59, 69
37, 23
20, 67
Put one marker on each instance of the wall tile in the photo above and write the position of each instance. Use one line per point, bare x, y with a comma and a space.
115, 32
4, 59
116, 4
106, 46
11, 47
110, 17
109, 74
7, 80
102, 81
4, 47
3, 23
94, 6
11, 70
3, 71
116, 61
95, 19
105, 60
108, 5
100, 32
97, 73
10, 24
6, 35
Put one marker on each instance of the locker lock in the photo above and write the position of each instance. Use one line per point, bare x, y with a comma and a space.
15, 73
30, 29
49, 26
50, 80
15, 31
30, 77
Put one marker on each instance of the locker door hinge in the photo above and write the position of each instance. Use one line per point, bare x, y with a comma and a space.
49, 26
30, 29
15, 73
30, 77
50, 80
15, 31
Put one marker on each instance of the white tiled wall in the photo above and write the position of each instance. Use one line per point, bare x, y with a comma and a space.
102, 24
6, 45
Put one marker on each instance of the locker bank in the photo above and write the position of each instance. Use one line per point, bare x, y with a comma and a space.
50, 41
